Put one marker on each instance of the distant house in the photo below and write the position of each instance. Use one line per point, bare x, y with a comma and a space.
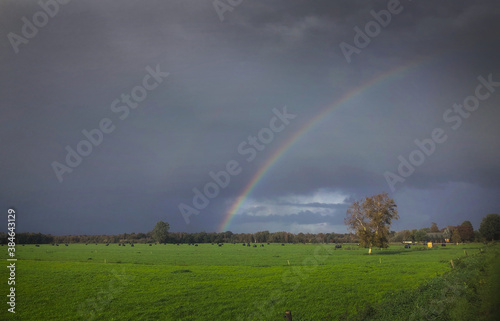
447, 232
436, 237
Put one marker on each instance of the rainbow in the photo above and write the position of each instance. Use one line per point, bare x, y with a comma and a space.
392, 73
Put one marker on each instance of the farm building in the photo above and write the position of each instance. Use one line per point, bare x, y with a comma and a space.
436, 237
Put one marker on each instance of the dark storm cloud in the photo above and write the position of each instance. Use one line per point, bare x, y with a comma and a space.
225, 79
305, 217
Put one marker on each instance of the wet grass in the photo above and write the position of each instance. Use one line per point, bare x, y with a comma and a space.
208, 282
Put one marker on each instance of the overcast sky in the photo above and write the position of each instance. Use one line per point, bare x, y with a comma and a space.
173, 90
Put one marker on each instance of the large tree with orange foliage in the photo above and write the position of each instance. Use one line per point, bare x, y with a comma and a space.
371, 218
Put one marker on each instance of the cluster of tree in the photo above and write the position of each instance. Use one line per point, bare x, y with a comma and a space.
415, 235
260, 237
39, 238
371, 218
182, 237
161, 234
460, 233
30, 238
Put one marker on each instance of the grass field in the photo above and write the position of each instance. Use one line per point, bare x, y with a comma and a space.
208, 282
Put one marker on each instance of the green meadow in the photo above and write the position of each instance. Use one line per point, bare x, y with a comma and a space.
210, 282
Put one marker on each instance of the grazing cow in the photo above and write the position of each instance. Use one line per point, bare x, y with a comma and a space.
338, 246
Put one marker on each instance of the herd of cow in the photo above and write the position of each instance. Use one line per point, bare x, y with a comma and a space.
337, 246
150, 244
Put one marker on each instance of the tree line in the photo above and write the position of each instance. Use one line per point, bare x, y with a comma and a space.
369, 221
371, 217
183, 237
456, 234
